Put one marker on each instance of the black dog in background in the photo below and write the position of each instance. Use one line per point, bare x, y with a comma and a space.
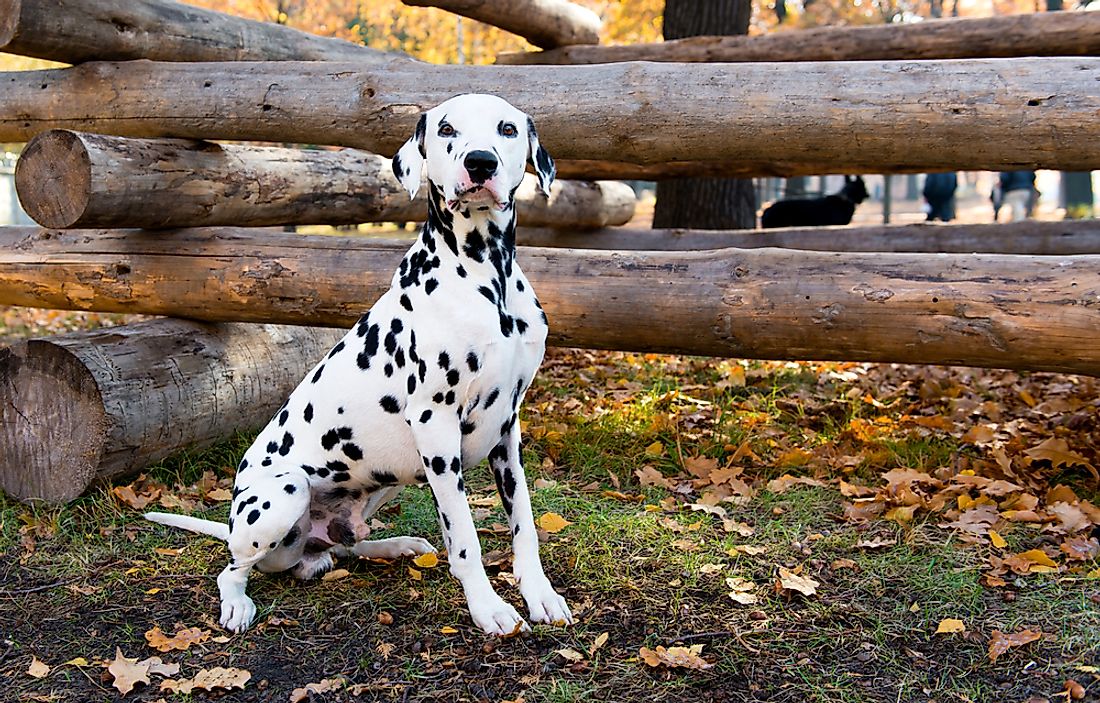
835, 209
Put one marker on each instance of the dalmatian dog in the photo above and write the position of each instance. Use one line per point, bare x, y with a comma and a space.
428, 383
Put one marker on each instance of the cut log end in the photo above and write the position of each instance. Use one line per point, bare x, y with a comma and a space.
53, 178
52, 423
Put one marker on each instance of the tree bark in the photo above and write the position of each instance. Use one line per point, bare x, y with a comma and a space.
74, 31
74, 179
544, 23
928, 116
1038, 34
1029, 237
1019, 312
100, 404
706, 203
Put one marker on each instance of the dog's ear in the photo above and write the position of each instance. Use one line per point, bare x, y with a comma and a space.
408, 162
540, 159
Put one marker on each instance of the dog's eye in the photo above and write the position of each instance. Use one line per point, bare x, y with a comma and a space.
446, 130
507, 129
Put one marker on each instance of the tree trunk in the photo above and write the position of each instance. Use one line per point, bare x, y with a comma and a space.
928, 116
74, 31
100, 404
706, 203
1020, 312
544, 23
1028, 237
1039, 34
74, 179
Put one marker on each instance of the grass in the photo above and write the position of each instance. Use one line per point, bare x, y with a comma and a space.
99, 581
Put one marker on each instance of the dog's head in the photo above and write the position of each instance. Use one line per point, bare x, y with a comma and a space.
855, 189
474, 148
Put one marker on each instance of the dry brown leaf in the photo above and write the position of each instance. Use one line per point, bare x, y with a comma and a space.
127, 672
600, 641
552, 523
1081, 548
569, 654
1070, 518
38, 669
208, 680
179, 641
839, 564
1001, 643
700, 466
336, 575
1056, 450
323, 686
786, 481
790, 581
155, 665
876, 543
979, 434
219, 494
672, 657
649, 476
127, 495
741, 590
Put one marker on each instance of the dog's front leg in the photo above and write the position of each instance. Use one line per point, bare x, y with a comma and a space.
439, 442
543, 602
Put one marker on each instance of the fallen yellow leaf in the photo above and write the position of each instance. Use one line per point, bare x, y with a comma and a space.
1038, 556
553, 523
427, 561
336, 575
415, 575
655, 449
950, 626
998, 541
600, 641
76, 661
448, 630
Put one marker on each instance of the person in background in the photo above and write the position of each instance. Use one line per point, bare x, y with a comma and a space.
1017, 193
939, 192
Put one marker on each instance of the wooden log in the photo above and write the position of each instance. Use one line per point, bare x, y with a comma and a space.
589, 169
101, 404
1029, 237
1038, 34
75, 179
864, 116
1019, 312
544, 23
74, 31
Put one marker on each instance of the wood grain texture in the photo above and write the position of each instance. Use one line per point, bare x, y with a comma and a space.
101, 404
75, 31
544, 23
864, 116
75, 179
1020, 312
1037, 34
1028, 237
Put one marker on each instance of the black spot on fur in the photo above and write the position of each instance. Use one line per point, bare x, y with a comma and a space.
521, 326
308, 413
452, 377
253, 516
292, 536
462, 554
426, 415
385, 478
456, 465
317, 374
406, 303
461, 271
283, 417
388, 369
344, 433
266, 461
337, 465
272, 447
437, 398
290, 488
288, 442
410, 384
329, 439
336, 350
266, 505
352, 451
488, 293
450, 398
439, 465
472, 361
519, 285
492, 398
444, 360
430, 285
389, 404
467, 427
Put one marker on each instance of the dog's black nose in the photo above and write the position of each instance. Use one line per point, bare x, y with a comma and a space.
481, 165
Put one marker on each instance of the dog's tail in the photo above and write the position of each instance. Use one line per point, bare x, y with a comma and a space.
207, 527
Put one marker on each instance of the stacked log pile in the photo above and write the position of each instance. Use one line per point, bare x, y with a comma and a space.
157, 218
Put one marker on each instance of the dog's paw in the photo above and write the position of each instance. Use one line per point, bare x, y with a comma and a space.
497, 617
237, 613
544, 603
393, 547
